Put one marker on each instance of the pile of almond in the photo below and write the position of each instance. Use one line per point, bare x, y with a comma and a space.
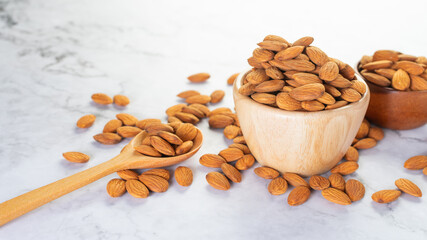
299, 76
387, 68
140, 185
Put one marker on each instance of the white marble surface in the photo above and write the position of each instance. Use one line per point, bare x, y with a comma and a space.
56, 53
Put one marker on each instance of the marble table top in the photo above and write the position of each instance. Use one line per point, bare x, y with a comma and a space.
56, 53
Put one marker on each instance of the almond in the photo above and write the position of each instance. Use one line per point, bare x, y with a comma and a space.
385, 55
340, 82
187, 117
274, 73
170, 137
365, 143
220, 121
348, 72
304, 41
376, 133
127, 119
408, 187
409, 67
128, 132
201, 99
365, 59
386, 196
329, 71
337, 104
263, 55
350, 95
289, 53
264, 98
266, 172
217, 96
121, 100
102, 98
155, 127
286, 102
246, 162
270, 86
232, 131
318, 182
317, 56
273, 45
163, 173
154, 183
298, 195
352, 154
308, 92
76, 157
221, 110
188, 93
377, 65
276, 38
232, 78
247, 89
416, 162
242, 147
112, 125
355, 190
199, 77
231, 154
239, 139
332, 90
312, 105
128, 174
400, 80
86, 121
418, 83
254, 63
107, 138
257, 76
137, 189
363, 129
345, 168
148, 150
185, 147
162, 146
116, 187
277, 186
211, 160
337, 181
306, 78
171, 111
327, 98
386, 72
359, 86
205, 110
377, 79
218, 181
425, 171
293, 64
231, 172
336, 196
183, 176
295, 179
173, 120
186, 132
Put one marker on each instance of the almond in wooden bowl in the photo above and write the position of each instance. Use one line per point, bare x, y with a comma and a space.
306, 143
398, 85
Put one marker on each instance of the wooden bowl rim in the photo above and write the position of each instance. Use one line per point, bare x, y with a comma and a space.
239, 79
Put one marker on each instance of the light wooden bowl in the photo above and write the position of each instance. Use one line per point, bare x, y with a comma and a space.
307, 143
398, 110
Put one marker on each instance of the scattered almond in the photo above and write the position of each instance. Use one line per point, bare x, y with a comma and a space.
183, 176
295, 179
355, 190
112, 125
408, 187
102, 98
137, 189
337, 181
277, 186
345, 168
107, 138
86, 121
266, 172
298, 195
121, 100
116, 187
76, 157
336, 196
218, 181
199, 77
217, 96
163, 173
318, 182
128, 174
127, 119
246, 162
386, 196
416, 162
154, 183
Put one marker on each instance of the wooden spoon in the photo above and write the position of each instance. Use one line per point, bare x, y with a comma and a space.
127, 159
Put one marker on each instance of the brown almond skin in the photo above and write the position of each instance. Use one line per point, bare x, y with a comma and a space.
266, 172
298, 195
355, 190
408, 187
137, 189
128, 174
376, 133
329, 71
186, 132
145, 122
317, 56
218, 181
352, 154
116, 187
308, 92
112, 125
363, 129
183, 176
304, 41
185, 147
148, 150
337, 181
76, 157
246, 162
199, 77
128, 131
295, 179
162, 146
386, 196
319, 182
164, 173
154, 183
121, 100
336, 196
277, 186
201, 99
231, 79
107, 138
86, 121
345, 168
102, 98
220, 121
187, 117
170, 137
231, 154
365, 143
212, 160
416, 162
242, 147
232, 131
231, 172
127, 119
188, 93
192, 110
217, 96
171, 111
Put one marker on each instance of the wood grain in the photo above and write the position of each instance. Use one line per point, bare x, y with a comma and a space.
306, 143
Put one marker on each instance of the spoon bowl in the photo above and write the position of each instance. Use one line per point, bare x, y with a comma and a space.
127, 159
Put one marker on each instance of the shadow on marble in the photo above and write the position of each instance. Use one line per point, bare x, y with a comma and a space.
384, 208
410, 198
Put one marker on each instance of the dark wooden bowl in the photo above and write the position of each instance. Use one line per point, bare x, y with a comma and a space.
399, 110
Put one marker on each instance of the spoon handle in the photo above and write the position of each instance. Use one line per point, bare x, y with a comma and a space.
29, 201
